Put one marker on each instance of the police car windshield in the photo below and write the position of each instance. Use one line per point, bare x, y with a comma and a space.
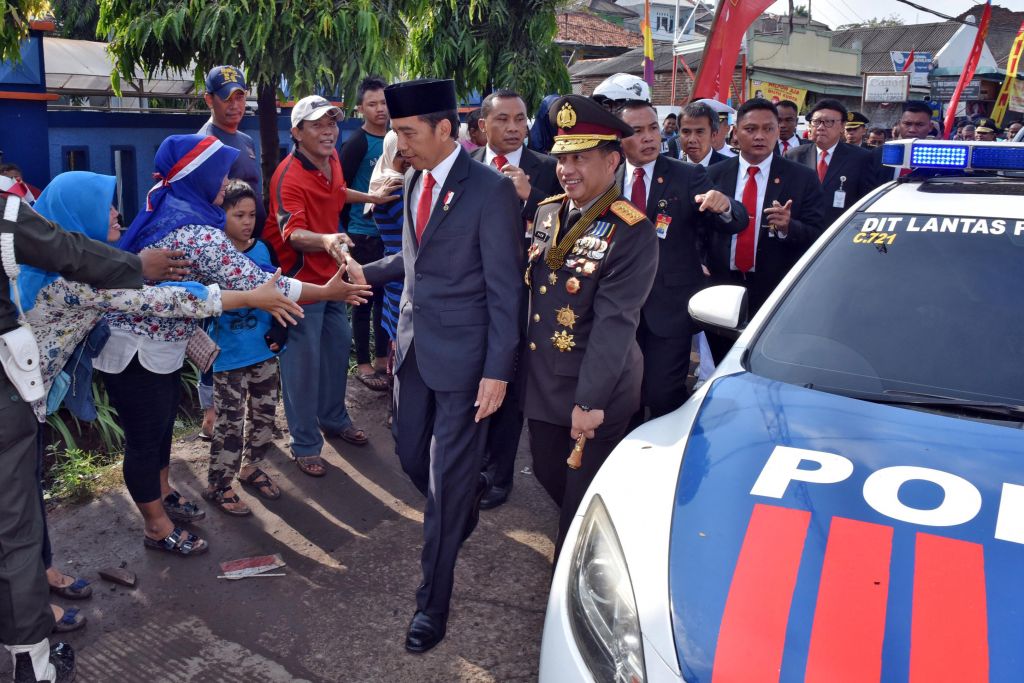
906, 303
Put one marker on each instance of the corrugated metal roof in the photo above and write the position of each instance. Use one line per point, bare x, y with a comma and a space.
79, 67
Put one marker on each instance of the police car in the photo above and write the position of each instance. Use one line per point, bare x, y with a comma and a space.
844, 499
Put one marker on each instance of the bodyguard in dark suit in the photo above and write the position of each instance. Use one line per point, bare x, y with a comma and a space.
589, 270
458, 328
846, 172
698, 124
504, 123
783, 200
788, 120
680, 201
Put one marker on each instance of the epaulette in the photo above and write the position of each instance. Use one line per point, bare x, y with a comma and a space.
549, 200
627, 212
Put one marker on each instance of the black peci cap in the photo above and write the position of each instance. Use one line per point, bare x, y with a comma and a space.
420, 97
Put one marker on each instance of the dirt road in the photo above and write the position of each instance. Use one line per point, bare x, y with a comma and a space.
351, 541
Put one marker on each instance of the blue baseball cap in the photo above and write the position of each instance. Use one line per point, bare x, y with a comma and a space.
223, 80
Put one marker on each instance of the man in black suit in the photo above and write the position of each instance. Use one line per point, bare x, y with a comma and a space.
783, 200
846, 172
915, 123
680, 202
788, 119
698, 124
503, 120
458, 329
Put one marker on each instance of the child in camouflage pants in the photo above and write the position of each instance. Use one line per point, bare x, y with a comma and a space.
245, 377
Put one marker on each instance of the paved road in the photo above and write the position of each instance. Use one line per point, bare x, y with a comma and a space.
351, 541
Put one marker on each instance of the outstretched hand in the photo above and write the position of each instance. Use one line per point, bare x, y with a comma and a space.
351, 293
267, 297
159, 265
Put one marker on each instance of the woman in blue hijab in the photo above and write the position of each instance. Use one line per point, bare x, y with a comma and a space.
62, 313
144, 354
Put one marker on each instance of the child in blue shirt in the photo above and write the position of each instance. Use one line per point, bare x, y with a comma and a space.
245, 379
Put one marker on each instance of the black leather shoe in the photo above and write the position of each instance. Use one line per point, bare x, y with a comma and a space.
62, 656
482, 487
424, 632
495, 496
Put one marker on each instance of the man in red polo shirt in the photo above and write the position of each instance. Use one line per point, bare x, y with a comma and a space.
307, 193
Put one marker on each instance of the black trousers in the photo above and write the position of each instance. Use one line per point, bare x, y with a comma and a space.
441, 448
25, 615
47, 548
666, 366
147, 404
506, 426
368, 248
550, 445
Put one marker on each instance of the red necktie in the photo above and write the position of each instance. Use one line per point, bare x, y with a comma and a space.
745, 240
423, 205
639, 194
822, 166
499, 162
785, 146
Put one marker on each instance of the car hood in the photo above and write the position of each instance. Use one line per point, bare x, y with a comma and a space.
845, 578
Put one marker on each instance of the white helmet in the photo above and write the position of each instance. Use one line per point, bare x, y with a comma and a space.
623, 87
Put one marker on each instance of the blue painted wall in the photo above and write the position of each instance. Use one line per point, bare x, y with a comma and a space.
23, 132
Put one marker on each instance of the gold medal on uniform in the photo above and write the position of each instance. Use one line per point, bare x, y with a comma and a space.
563, 341
552, 278
589, 267
572, 285
566, 317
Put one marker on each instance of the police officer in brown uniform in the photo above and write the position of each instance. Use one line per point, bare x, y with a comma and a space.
591, 266
25, 616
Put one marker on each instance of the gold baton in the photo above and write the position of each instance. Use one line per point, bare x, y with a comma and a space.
575, 459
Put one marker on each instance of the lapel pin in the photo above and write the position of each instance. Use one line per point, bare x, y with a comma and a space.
777, 181
660, 180
662, 203
447, 200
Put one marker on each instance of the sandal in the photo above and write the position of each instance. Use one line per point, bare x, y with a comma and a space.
312, 465
72, 620
178, 543
217, 497
182, 513
264, 486
353, 435
79, 589
374, 381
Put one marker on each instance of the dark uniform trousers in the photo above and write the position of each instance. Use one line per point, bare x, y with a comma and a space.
25, 616
441, 448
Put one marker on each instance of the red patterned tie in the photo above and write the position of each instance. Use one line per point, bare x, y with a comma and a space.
639, 194
822, 166
499, 162
423, 205
745, 240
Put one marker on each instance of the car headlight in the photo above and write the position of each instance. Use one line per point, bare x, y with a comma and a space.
602, 609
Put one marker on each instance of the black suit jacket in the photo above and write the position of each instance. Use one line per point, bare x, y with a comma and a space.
676, 153
849, 161
774, 257
460, 302
679, 273
541, 170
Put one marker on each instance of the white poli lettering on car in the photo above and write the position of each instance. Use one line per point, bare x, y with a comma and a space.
961, 500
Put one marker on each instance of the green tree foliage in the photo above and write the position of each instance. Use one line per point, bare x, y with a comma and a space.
14, 25
316, 45
76, 19
489, 44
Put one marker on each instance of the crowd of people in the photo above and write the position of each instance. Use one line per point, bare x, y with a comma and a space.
487, 277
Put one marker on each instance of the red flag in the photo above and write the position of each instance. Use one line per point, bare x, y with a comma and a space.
969, 67
909, 63
732, 19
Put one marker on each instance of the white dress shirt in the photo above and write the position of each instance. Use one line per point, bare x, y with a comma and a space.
762, 184
513, 158
794, 143
829, 153
706, 161
627, 179
440, 174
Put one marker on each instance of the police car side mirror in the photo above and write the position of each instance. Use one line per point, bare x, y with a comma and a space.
723, 307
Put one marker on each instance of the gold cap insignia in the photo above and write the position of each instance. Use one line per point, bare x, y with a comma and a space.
563, 341
849, 116
566, 116
566, 317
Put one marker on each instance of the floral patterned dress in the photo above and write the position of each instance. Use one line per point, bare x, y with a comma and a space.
65, 312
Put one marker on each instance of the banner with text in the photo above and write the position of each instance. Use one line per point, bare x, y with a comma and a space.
776, 93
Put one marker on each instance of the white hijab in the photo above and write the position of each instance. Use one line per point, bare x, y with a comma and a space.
384, 170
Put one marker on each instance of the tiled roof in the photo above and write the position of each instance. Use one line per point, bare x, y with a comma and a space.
630, 62
583, 28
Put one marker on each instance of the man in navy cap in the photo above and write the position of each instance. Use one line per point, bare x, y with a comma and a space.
458, 329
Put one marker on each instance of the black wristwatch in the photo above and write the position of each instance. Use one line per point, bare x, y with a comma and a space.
584, 407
